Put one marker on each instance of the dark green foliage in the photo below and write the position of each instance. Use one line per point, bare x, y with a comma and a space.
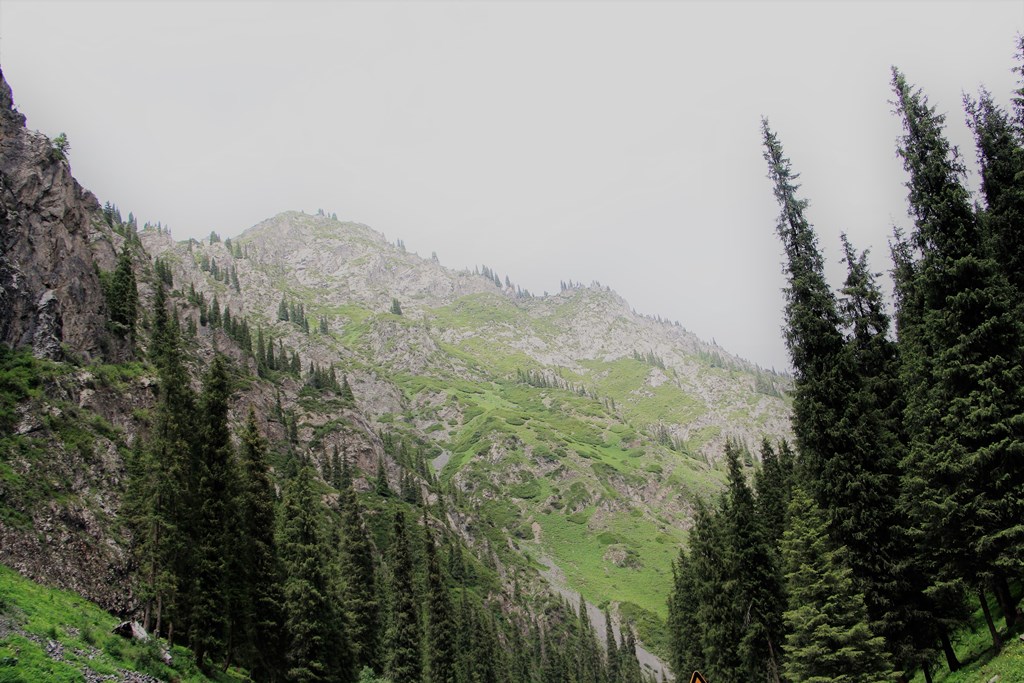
757, 592
211, 540
721, 623
440, 623
830, 638
317, 648
396, 308
812, 321
848, 415
359, 592
961, 344
1001, 158
687, 654
629, 665
162, 270
59, 147
403, 636
382, 488
123, 295
259, 603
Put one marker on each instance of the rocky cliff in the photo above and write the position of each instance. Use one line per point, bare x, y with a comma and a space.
51, 243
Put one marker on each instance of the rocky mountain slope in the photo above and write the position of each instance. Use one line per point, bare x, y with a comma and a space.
582, 431
566, 432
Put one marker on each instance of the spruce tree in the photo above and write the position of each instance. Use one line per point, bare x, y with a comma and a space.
684, 630
317, 648
261, 605
215, 482
754, 582
960, 343
403, 636
812, 329
170, 447
829, 636
440, 623
718, 609
1001, 159
359, 593
123, 294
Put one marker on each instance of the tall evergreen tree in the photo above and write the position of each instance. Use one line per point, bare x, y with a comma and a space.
260, 607
169, 564
961, 345
403, 636
717, 612
359, 593
829, 635
755, 580
1001, 159
317, 647
215, 483
684, 630
812, 329
123, 294
440, 623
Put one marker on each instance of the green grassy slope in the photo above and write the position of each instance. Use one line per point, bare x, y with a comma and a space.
973, 646
51, 635
582, 431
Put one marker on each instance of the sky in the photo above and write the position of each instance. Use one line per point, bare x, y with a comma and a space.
616, 142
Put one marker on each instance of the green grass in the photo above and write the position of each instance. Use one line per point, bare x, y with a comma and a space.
625, 381
35, 616
973, 646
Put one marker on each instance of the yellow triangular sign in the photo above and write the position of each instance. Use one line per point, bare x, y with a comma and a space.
697, 678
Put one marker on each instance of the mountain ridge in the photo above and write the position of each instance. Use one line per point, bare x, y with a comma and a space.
564, 426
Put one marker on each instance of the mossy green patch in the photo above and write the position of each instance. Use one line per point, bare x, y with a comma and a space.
38, 618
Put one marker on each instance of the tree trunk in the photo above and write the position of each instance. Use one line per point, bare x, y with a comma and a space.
170, 636
773, 666
997, 641
1005, 599
947, 648
159, 613
927, 669
227, 651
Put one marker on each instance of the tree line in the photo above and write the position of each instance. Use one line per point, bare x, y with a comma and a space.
284, 570
857, 555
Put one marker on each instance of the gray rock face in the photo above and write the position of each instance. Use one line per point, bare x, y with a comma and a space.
50, 292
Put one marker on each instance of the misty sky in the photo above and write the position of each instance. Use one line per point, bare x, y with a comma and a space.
584, 141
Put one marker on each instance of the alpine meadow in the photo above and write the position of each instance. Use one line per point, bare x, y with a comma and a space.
304, 453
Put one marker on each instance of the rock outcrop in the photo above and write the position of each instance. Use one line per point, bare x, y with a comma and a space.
51, 240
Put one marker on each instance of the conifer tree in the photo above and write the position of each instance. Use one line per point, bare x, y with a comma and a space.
260, 607
1001, 158
317, 648
684, 630
847, 410
169, 563
829, 636
440, 623
755, 583
960, 343
215, 482
629, 665
382, 488
611, 647
123, 295
722, 624
403, 636
359, 593
812, 323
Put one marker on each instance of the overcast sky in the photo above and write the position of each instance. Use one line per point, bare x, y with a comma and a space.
584, 141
